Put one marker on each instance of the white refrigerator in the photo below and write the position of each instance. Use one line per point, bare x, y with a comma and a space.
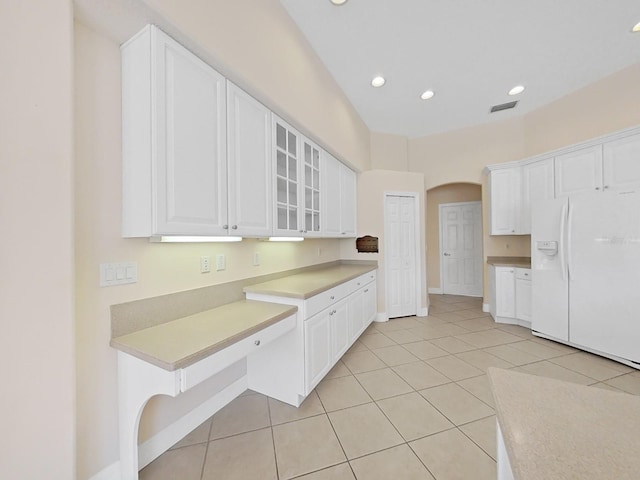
585, 261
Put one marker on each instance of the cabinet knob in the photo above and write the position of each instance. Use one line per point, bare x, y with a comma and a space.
257, 342
447, 254
332, 297
513, 231
366, 290
226, 227
331, 313
358, 283
597, 188
606, 186
235, 227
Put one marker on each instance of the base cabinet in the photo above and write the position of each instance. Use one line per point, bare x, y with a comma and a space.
510, 294
317, 347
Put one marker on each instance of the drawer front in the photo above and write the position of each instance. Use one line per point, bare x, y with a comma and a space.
523, 273
205, 368
323, 300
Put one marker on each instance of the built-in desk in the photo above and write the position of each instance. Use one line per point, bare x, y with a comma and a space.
173, 357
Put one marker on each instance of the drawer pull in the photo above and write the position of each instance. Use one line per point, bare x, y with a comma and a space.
366, 290
257, 342
358, 283
331, 313
332, 297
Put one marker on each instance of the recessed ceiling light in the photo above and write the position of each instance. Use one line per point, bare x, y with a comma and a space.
427, 95
516, 90
378, 81
636, 28
338, 2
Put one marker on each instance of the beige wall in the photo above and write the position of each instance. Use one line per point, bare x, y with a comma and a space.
372, 186
167, 268
257, 45
37, 399
389, 152
452, 193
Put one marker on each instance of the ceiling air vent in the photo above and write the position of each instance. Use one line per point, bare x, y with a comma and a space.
504, 106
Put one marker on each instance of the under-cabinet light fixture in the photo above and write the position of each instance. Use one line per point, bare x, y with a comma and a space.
636, 28
286, 239
338, 2
191, 239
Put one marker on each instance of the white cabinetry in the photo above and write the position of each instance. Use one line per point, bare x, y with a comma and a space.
504, 186
286, 148
621, 163
311, 159
249, 165
537, 184
510, 293
174, 140
579, 171
317, 347
339, 199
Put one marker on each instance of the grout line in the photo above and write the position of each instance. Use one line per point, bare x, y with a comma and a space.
273, 440
206, 450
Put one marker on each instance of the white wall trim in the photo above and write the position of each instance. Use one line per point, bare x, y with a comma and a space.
381, 317
435, 290
486, 308
423, 312
166, 438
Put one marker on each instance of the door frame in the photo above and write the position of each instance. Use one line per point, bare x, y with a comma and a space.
420, 311
441, 249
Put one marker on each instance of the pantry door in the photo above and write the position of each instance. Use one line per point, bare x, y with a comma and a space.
401, 228
461, 248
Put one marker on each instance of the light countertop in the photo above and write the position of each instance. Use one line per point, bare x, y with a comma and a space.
182, 342
308, 284
558, 430
519, 262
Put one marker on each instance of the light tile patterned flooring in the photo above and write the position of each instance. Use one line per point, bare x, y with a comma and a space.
410, 400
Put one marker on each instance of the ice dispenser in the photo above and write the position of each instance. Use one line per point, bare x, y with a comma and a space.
547, 247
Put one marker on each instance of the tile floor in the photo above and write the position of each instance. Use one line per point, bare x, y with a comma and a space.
410, 400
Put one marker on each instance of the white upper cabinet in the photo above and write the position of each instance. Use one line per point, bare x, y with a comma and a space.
621, 163
579, 171
504, 186
537, 184
311, 160
288, 188
339, 199
249, 165
174, 140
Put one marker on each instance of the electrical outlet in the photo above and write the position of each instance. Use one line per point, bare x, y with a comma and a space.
118, 273
256, 259
205, 264
221, 262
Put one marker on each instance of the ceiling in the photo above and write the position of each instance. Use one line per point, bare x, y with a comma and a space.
469, 52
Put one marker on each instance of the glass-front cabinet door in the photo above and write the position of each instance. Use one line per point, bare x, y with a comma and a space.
311, 160
287, 177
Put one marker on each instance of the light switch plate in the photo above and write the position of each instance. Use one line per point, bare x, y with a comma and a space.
221, 262
118, 273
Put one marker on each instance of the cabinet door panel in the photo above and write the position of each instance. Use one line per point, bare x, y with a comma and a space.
190, 120
504, 189
249, 164
369, 304
578, 172
523, 299
331, 196
537, 184
621, 163
287, 173
317, 348
347, 201
312, 188
505, 292
339, 331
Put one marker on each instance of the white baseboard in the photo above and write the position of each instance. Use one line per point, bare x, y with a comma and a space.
486, 307
381, 317
165, 439
435, 290
423, 312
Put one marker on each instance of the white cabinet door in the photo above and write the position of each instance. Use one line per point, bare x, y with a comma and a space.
578, 172
355, 312
621, 163
505, 292
249, 165
348, 198
523, 294
537, 184
312, 209
317, 348
339, 331
174, 140
286, 148
369, 304
504, 188
331, 196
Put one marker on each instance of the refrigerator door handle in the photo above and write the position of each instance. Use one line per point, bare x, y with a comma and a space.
569, 227
563, 220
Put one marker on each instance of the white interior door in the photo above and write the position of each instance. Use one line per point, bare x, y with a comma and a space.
461, 248
400, 254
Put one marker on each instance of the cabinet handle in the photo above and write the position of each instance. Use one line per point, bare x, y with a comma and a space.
331, 297
235, 227
366, 290
597, 188
447, 254
226, 227
513, 231
257, 342
335, 311
358, 283
606, 186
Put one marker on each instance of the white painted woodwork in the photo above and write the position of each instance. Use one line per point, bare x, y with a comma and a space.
356, 314
287, 178
505, 292
312, 191
339, 196
317, 347
537, 184
249, 165
340, 330
621, 163
369, 304
461, 248
400, 228
504, 186
579, 171
174, 140
523, 294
